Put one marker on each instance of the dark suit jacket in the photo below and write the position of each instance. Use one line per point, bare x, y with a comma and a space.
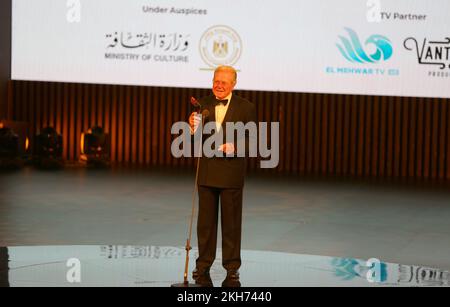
226, 172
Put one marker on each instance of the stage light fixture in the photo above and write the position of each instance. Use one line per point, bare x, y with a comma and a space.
9, 148
95, 147
48, 149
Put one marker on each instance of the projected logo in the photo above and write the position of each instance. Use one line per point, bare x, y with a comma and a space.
430, 52
220, 45
352, 49
348, 269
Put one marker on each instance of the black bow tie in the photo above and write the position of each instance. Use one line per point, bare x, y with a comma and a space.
220, 102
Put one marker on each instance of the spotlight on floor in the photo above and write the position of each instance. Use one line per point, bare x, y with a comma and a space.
48, 149
9, 148
95, 147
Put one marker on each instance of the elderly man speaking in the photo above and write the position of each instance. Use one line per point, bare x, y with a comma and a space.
222, 178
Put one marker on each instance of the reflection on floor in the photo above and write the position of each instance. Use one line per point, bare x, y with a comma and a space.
407, 224
154, 266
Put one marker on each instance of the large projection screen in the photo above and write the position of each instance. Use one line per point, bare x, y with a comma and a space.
374, 47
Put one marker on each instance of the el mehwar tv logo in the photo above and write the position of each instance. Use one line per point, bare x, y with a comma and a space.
352, 49
355, 52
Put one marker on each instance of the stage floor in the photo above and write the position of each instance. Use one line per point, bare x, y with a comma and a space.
309, 224
162, 266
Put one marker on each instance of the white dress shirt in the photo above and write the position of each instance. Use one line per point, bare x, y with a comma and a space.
221, 112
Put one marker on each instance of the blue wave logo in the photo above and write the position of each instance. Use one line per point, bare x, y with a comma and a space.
352, 49
348, 269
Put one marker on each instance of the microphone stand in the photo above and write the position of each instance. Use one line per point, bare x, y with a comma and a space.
188, 247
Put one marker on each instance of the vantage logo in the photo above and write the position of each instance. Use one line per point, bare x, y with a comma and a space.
430, 52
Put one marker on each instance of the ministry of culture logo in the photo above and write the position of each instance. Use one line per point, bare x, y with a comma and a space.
352, 49
220, 45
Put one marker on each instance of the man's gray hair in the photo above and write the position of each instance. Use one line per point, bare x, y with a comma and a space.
228, 69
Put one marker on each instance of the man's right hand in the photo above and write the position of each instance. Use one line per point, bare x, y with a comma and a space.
194, 121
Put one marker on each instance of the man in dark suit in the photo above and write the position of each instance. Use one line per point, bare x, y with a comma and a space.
222, 178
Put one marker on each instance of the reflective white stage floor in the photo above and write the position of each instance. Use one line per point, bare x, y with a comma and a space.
153, 266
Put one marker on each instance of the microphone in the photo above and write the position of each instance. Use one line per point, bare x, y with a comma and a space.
195, 103
188, 248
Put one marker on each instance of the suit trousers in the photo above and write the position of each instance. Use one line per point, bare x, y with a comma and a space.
231, 226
